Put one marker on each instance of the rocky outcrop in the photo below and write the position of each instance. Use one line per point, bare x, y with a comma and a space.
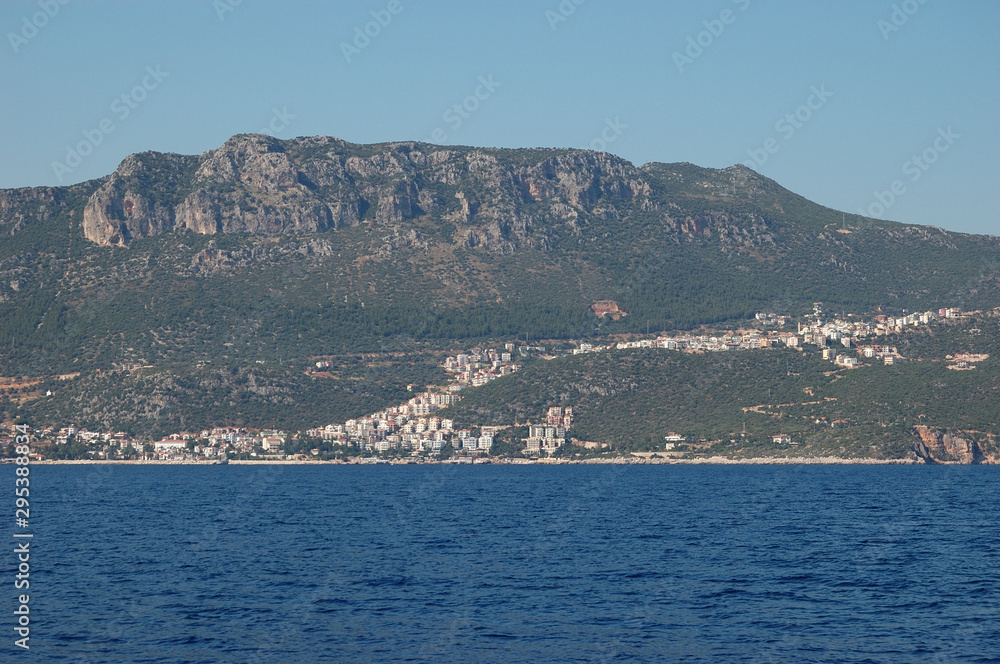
126, 207
263, 186
500, 200
248, 185
961, 447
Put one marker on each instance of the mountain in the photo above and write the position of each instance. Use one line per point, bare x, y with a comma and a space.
250, 260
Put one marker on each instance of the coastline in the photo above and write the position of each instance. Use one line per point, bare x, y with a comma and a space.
627, 461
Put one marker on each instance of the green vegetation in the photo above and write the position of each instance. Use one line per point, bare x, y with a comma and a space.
157, 401
734, 402
229, 323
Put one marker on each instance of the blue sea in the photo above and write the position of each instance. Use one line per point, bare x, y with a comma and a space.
464, 564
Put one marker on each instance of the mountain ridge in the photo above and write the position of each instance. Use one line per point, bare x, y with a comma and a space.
429, 241
190, 189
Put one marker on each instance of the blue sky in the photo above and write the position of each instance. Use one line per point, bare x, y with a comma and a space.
834, 100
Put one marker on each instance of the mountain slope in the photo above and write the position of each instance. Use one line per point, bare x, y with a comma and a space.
738, 400
279, 251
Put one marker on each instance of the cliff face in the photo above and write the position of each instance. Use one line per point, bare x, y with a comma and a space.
937, 446
497, 199
124, 208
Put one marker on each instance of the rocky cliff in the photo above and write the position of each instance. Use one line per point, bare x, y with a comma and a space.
497, 199
961, 447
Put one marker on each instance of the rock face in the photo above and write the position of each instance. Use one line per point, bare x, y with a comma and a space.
248, 185
937, 446
498, 199
124, 207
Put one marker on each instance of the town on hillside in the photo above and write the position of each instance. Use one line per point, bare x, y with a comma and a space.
412, 429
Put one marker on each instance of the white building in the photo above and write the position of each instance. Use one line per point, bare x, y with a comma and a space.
170, 445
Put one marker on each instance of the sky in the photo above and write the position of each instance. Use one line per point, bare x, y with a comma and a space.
876, 107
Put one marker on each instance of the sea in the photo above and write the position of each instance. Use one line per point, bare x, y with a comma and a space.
465, 564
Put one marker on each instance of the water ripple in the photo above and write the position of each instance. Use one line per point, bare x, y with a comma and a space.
515, 564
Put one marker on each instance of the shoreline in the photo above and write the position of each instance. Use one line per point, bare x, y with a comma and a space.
621, 461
